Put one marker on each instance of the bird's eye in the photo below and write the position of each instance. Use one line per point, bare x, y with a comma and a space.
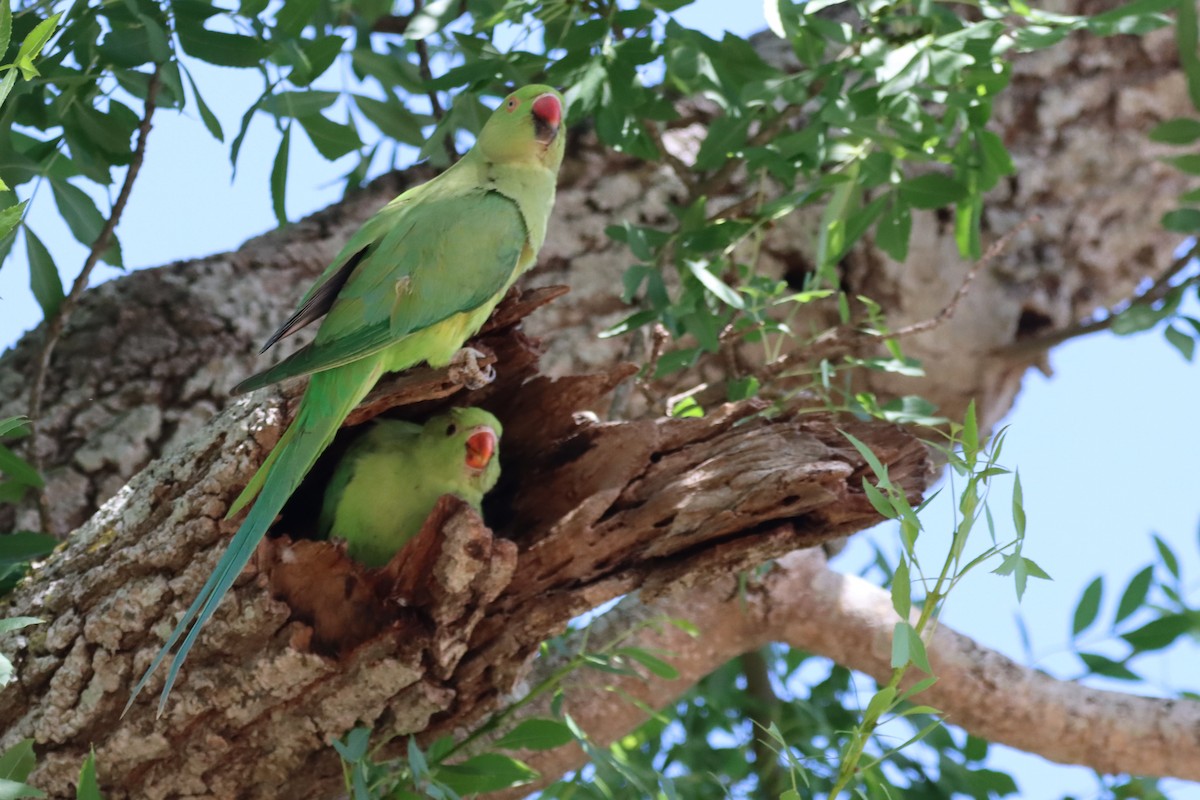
511, 103
451, 429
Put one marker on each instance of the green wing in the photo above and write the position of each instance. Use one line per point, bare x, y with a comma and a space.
441, 256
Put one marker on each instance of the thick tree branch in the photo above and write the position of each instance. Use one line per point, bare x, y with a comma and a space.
805, 604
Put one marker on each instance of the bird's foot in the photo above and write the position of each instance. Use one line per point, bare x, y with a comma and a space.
465, 369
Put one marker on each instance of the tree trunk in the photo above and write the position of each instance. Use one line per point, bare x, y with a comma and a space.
144, 451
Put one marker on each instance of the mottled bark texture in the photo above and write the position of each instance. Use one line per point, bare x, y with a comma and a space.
144, 451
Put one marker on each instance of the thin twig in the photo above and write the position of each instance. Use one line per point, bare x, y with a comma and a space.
1157, 291
659, 338
426, 78
57, 322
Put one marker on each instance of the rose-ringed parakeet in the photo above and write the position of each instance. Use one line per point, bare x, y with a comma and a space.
410, 286
389, 480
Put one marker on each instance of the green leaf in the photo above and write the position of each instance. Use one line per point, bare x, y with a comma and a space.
1089, 607
1187, 40
236, 148
219, 48
10, 216
1018, 506
1135, 319
294, 17
651, 662
206, 114
315, 57
18, 469
353, 746
489, 772
279, 177
36, 40
879, 500
82, 217
7, 84
11, 424
1182, 220
1181, 341
872, 460
536, 734
88, 787
393, 119
332, 139
5, 28
18, 761
1159, 633
1189, 163
10, 624
43, 275
970, 434
1103, 665
932, 190
880, 702
298, 104
1135, 593
902, 590
907, 647
726, 136
1021, 569
11, 790
1181, 130
1168, 556
416, 759
721, 290
893, 231
22, 547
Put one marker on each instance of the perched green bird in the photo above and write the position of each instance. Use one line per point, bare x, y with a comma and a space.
389, 480
410, 286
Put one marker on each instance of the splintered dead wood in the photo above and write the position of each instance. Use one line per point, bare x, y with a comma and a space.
309, 644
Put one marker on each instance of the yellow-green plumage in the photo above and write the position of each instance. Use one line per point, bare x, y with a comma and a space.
389, 480
410, 286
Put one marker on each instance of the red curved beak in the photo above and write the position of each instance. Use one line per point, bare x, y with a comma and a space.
547, 117
481, 446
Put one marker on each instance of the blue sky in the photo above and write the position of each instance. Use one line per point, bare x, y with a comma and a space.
1106, 447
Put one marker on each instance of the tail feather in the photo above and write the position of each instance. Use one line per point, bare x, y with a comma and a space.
329, 400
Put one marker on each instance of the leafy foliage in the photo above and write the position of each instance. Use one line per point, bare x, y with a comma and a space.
1153, 613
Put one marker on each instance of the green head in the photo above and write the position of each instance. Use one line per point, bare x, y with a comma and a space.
525, 127
468, 438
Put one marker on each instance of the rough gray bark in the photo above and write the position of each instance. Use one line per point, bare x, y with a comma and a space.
149, 359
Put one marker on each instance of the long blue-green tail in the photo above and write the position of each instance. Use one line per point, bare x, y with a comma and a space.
330, 398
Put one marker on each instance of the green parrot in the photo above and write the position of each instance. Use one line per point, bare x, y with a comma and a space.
411, 286
389, 480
